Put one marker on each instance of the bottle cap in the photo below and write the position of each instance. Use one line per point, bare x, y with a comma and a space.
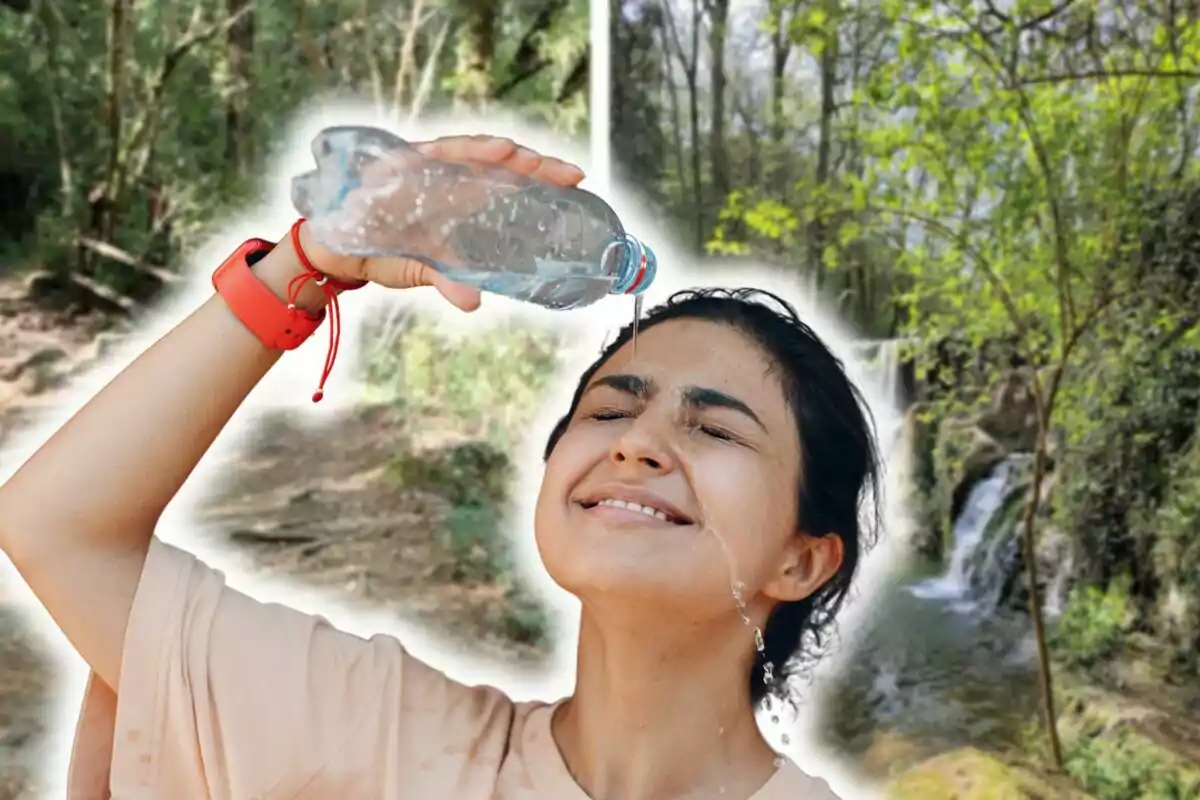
637, 269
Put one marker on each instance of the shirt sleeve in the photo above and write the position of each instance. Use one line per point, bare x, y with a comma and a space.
223, 696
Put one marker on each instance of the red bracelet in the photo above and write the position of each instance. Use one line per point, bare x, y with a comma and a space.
276, 325
330, 287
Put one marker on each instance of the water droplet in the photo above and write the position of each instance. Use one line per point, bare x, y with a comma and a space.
541, 226
774, 719
759, 645
779, 762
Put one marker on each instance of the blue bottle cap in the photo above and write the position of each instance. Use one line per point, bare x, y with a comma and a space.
638, 266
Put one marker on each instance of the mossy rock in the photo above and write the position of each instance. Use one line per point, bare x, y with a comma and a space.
963, 455
921, 496
1118, 747
971, 774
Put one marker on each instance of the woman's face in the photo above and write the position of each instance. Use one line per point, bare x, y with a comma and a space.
696, 435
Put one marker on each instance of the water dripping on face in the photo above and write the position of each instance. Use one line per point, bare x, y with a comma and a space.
737, 588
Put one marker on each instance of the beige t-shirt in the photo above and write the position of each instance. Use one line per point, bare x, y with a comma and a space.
226, 697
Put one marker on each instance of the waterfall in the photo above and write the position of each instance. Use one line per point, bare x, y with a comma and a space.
979, 562
884, 366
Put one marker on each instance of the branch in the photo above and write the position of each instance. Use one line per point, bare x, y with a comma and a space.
528, 60
960, 239
669, 18
425, 87
576, 79
144, 127
1046, 16
1099, 74
407, 63
114, 253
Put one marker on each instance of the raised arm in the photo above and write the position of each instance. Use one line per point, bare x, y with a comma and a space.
76, 520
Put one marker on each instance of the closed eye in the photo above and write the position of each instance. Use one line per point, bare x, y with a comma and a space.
608, 415
716, 433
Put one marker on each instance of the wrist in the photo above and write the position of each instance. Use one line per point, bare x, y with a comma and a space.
283, 265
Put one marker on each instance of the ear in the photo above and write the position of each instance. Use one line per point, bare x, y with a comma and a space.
808, 563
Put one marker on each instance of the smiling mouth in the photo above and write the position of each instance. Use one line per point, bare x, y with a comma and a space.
649, 511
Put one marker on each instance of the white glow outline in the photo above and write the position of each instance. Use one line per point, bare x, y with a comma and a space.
290, 386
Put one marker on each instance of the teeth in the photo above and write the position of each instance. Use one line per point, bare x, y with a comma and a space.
649, 511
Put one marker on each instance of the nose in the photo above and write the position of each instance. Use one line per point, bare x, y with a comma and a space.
644, 444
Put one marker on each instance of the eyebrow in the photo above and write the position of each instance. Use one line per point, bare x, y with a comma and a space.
697, 397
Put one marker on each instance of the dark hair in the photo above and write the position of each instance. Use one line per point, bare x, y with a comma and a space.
839, 462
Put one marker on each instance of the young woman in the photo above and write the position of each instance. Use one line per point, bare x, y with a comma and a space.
731, 452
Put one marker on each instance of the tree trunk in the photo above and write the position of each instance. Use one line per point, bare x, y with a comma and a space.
718, 19
816, 233
102, 198
239, 43
1029, 544
476, 52
694, 119
672, 50
781, 51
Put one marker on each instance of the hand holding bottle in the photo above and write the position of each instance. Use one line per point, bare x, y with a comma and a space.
378, 214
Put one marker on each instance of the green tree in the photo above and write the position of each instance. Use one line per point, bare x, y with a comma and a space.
1037, 131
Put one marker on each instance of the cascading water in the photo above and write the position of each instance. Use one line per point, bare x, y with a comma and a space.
882, 362
978, 563
941, 662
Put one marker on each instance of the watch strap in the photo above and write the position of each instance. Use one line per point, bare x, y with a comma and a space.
276, 323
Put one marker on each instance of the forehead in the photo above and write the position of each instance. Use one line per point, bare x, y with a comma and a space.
692, 352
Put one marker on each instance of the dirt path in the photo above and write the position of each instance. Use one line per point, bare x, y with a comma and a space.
341, 523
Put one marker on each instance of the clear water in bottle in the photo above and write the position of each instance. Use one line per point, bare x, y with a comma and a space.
372, 194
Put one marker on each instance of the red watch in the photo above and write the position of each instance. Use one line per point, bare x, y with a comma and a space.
276, 324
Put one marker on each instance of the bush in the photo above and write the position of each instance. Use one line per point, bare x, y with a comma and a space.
1123, 769
1092, 627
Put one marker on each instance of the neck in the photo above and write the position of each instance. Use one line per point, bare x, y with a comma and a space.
662, 713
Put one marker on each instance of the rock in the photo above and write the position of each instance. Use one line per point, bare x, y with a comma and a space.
964, 453
41, 285
890, 753
918, 437
37, 360
971, 774
101, 346
1012, 418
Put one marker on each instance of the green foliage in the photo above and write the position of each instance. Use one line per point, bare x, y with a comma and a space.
487, 384
478, 544
1092, 627
475, 477
1122, 768
201, 101
468, 474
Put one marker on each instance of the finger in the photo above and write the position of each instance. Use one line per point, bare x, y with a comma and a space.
502, 151
554, 170
464, 149
464, 297
405, 273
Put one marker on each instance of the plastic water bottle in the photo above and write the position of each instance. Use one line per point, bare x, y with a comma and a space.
372, 194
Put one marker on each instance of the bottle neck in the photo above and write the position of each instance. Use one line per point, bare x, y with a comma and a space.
636, 267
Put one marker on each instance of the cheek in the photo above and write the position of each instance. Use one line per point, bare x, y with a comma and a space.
573, 456
750, 508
